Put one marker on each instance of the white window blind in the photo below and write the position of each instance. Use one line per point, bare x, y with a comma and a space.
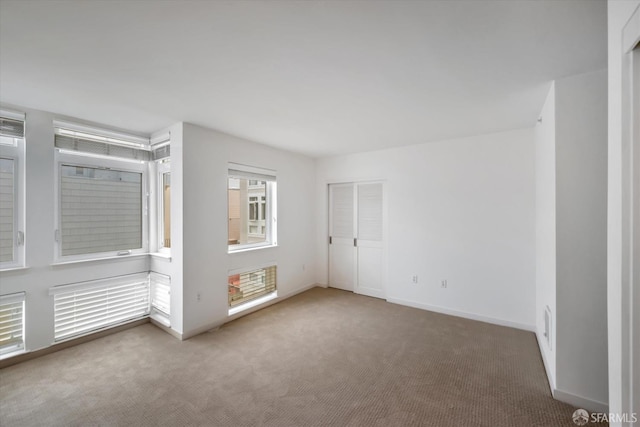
7, 210
160, 297
11, 127
101, 210
237, 170
11, 322
74, 138
85, 307
246, 286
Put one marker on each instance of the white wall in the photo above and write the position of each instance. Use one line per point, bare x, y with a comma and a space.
619, 319
571, 217
545, 141
206, 263
461, 210
41, 274
581, 231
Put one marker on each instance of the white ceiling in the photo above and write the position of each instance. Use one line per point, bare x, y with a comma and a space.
316, 77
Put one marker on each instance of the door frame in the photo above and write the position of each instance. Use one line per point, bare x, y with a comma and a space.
627, 350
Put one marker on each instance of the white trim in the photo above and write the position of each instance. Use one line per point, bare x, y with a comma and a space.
116, 137
160, 139
216, 324
11, 298
580, 402
252, 268
129, 278
106, 258
13, 114
98, 156
253, 303
550, 379
464, 314
631, 32
269, 173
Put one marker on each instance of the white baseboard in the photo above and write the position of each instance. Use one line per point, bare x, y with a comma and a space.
472, 316
580, 402
213, 325
545, 362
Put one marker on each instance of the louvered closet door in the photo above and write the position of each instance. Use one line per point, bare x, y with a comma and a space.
370, 259
342, 251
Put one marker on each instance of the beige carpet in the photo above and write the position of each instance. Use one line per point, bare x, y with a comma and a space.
325, 357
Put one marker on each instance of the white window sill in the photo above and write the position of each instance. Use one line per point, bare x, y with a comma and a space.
161, 255
251, 248
254, 303
12, 353
108, 258
24, 267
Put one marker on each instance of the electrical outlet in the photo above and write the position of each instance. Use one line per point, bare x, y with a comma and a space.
414, 279
304, 267
198, 296
443, 284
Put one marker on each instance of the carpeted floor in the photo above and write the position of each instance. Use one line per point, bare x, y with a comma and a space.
324, 357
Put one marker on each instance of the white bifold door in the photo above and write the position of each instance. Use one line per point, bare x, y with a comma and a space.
356, 245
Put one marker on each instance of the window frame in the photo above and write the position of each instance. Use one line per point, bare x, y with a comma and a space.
251, 173
163, 166
80, 159
15, 151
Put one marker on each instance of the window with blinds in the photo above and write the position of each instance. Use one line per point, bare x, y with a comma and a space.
11, 190
247, 286
86, 307
251, 206
7, 209
160, 298
101, 210
11, 323
101, 189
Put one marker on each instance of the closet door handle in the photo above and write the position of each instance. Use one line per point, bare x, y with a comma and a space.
355, 242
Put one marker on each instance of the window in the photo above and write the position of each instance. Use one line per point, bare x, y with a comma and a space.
160, 298
251, 285
11, 323
251, 202
164, 206
11, 190
85, 307
161, 191
101, 189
